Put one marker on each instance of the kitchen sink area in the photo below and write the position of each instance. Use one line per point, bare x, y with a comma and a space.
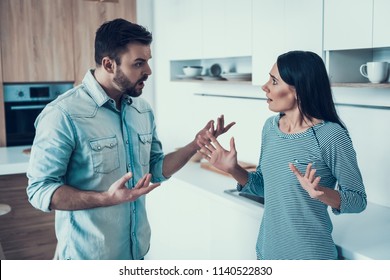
245, 196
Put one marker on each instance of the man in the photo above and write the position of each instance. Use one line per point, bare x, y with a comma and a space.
96, 152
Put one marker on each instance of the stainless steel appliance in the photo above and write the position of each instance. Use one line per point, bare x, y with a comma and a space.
23, 103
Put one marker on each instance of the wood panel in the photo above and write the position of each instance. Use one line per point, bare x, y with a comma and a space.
87, 17
36, 39
25, 233
2, 112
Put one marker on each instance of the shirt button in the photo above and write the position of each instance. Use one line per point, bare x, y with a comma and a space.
111, 144
134, 211
127, 141
129, 165
99, 147
133, 233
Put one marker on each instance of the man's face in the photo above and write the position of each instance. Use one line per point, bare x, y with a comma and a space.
134, 70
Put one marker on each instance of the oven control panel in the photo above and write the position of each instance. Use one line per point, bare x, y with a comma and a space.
34, 92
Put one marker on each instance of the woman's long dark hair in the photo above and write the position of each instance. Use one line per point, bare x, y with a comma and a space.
307, 73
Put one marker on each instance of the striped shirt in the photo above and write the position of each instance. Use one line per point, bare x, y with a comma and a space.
295, 226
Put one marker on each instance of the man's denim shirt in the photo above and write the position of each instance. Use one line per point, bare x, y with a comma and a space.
82, 140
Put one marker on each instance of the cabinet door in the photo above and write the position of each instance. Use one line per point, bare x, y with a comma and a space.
179, 28
348, 24
303, 25
179, 216
87, 17
381, 36
227, 26
268, 37
36, 40
280, 26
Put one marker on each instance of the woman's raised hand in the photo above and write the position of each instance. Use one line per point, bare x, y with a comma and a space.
213, 152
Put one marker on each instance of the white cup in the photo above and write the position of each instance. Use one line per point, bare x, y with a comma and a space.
376, 72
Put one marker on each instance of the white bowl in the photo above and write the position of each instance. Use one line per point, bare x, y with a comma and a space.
192, 71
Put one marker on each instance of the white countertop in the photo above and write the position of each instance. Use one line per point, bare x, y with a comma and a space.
359, 236
13, 160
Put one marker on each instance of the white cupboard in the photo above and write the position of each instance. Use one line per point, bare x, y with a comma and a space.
179, 23
280, 26
350, 24
196, 29
347, 24
189, 223
227, 26
381, 36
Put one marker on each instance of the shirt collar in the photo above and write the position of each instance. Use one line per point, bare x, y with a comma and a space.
94, 89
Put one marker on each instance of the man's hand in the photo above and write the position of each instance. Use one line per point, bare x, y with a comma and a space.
119, 193
221, 128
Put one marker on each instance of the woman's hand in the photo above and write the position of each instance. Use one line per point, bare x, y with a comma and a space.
212, 151
308, 181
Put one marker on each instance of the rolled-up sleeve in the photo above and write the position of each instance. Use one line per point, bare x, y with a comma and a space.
50, 153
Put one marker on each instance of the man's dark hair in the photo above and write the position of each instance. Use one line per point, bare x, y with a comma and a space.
112, 39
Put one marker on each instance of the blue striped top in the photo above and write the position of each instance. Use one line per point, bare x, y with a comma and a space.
295, 226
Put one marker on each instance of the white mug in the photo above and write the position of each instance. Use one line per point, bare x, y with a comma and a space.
376, 72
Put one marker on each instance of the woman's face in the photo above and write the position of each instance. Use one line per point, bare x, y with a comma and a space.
281, 97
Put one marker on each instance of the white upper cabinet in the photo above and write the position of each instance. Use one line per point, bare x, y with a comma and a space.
348, 24
179, 28
381, 36
280, 26
195, 29
227, 26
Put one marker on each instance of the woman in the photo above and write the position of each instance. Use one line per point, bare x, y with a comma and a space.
307, 163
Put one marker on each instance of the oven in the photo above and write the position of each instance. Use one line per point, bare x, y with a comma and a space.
23, 103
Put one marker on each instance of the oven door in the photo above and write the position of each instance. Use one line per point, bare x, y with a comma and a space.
20, 118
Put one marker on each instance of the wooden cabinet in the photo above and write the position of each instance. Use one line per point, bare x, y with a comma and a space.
87, 17
36, 40
25, 233
2, 110
280, 26
53, 40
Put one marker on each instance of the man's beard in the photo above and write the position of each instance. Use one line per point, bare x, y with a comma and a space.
126, 86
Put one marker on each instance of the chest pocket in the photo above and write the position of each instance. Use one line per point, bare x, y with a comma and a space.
105, 156
145, 144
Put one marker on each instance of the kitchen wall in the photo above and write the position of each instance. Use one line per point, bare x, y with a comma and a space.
182, 110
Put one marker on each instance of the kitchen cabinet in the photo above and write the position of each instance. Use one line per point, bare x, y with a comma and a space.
190, 223
227, 28
25, 233
381, 36
36, 40
280, 26
179, 27
348, 24
87, 17
193, 29
365, 27
53, 40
